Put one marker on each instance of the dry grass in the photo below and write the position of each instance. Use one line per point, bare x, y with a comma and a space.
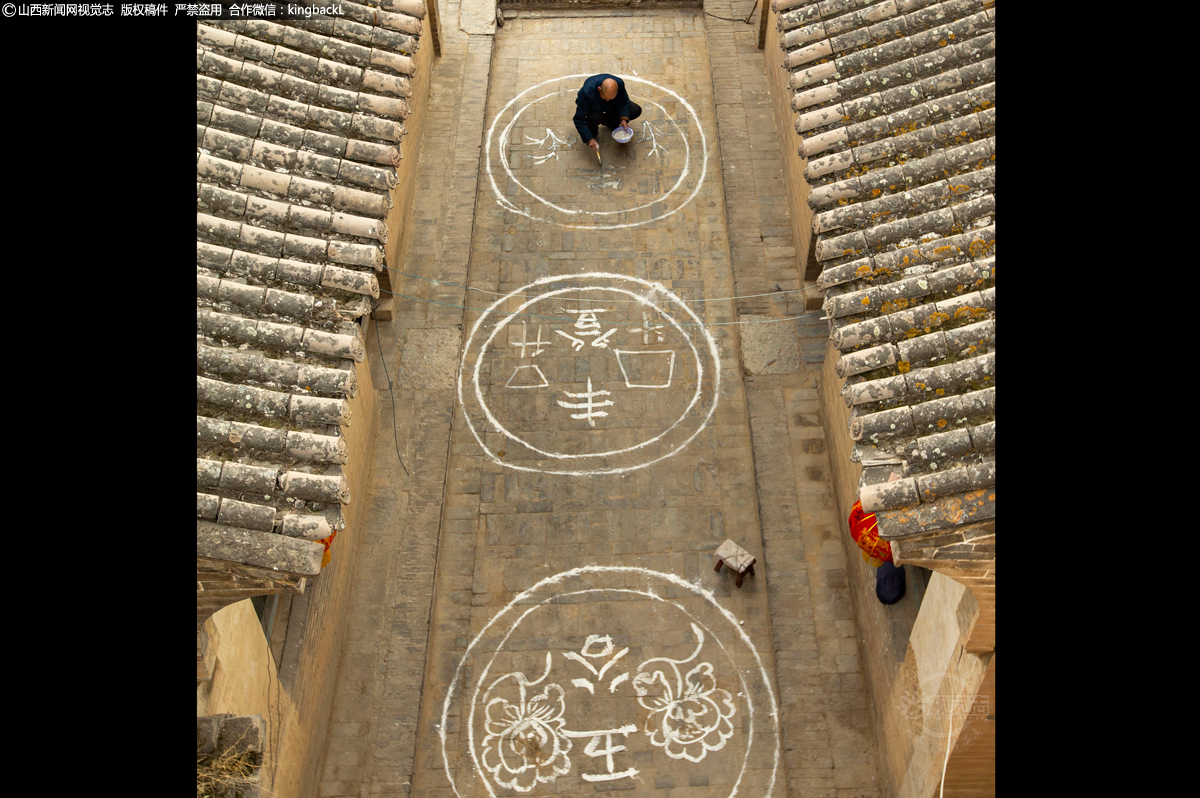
223, 774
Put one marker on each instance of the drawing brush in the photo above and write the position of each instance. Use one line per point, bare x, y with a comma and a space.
598, 159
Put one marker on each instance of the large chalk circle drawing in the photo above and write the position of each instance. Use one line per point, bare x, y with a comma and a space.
594, 373
610, 674
535, 152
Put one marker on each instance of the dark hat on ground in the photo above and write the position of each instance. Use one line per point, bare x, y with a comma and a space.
889, 583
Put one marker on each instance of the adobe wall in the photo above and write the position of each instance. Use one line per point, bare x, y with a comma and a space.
243, 671
789, 145
400, 217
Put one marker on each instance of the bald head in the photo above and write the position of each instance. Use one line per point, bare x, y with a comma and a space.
608, 89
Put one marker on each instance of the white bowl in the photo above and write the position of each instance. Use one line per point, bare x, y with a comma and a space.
621, 135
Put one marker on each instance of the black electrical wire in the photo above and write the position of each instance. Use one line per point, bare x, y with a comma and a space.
395, 431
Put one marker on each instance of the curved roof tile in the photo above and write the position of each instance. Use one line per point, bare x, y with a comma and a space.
298, 131
896, 114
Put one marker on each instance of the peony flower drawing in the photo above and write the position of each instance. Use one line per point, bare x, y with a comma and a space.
524, 743
689, 715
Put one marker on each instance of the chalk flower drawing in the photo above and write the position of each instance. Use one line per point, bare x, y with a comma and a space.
691, 715
525, 742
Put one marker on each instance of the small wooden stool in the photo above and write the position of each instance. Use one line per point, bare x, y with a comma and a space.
738, 559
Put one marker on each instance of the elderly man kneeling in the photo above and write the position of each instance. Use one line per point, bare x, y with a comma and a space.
603, 101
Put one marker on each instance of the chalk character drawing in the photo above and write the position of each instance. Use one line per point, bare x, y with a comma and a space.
518, 370
588, 324
582, 218
545, 709
690, 715
677, 431
525, 343
605, 650
648, 327
587, 405
593, 750
525, 742
624, 355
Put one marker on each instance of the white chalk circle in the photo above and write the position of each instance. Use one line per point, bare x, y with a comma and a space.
523, 714
636, 293
591, 219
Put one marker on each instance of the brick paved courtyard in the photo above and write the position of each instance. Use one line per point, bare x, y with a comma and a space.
583, 437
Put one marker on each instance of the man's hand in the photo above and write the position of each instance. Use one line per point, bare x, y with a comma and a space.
625, 123
595, 145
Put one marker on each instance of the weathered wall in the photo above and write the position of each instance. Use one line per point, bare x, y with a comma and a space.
241, 678
311, 659
789, 145
400, 217
304, 691
910, 658
936, 689
294, 701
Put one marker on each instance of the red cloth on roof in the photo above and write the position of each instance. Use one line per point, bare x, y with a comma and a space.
865, 532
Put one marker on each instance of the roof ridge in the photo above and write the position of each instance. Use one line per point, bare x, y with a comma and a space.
309, 411
865, 300
301, 114
258, 301
891, 38
230, 36
919, 198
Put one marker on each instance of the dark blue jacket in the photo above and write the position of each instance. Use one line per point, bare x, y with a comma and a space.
588, 102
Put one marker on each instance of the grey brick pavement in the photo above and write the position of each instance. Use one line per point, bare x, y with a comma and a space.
493, 531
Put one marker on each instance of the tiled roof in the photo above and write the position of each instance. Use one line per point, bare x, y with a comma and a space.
897, 118
298, 131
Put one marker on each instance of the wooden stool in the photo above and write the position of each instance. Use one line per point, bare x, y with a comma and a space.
738, 559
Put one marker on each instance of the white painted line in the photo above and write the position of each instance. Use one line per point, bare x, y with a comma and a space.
507, 204
642, 298
683, 174
625, 376
521, 387
528, 594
